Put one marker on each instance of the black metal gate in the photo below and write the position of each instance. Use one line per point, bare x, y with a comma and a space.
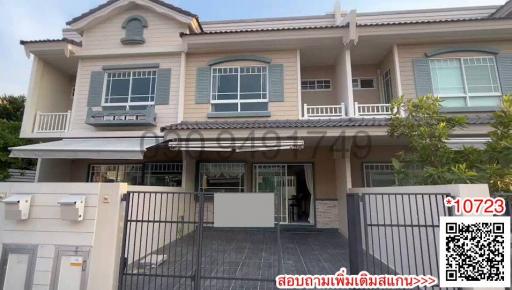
395, 233
170, 243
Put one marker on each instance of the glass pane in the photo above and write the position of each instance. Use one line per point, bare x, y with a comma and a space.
254, 107
493, 101
447, 77
481, 75
141, 86
367, 84
163, 174
272, 178
114, 100
225, 107
453, 102
250, 83
227, 84
252, 96
355, 83
120, 87
223, 97
221, 177
140, 99
16, 272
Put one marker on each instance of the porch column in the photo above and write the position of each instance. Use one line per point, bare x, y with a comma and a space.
343, 184
189, 171
344, 80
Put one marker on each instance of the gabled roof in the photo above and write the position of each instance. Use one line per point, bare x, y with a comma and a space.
66, 40
266, 29
110, 2
276, 124
503, 11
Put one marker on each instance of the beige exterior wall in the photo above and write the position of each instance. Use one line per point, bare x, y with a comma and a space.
50, 92
407, 54
166, 114
279, 110
374, 154
366, 96
320, 98
162, 34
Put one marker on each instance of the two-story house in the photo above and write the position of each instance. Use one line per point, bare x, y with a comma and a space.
143, 92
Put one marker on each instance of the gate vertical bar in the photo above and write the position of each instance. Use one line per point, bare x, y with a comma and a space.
199, 236
355, 241
123, 260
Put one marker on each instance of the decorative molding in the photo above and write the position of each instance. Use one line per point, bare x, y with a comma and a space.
240, 58
135, 17
130, 66
461, 49
238, 114
134, 30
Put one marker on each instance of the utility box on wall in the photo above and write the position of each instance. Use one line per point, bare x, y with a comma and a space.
17, 207
72, 208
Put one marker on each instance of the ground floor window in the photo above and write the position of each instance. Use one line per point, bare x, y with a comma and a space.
221, 177
378, 174
154, 174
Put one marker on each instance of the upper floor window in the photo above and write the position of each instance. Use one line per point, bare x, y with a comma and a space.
363, 83
239, 89
135, 87
316, 85
466, 81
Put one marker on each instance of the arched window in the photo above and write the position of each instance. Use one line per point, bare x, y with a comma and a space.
134, 30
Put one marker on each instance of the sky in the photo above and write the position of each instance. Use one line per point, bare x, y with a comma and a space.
36, 19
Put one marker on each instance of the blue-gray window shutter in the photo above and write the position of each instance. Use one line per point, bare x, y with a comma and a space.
422, 77
276, 78
203, 84
504, 63
163, 86
95, 89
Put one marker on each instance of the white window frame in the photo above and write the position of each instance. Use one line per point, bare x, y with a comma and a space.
467, 95
104, 96
387, 79
376, 167
239, 101
374, 79
316, 89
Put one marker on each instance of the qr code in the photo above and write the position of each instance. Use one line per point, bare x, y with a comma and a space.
475, 251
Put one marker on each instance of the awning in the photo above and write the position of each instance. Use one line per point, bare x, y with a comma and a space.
236, 146
459, 143
97, 148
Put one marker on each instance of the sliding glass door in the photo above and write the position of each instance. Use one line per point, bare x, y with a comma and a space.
273, 178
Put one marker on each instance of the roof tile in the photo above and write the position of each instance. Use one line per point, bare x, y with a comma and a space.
322, 123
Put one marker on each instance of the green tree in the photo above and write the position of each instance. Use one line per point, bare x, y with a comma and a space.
429, 160
498, 151
11, 115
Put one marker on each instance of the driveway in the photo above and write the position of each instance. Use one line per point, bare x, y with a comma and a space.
243, 259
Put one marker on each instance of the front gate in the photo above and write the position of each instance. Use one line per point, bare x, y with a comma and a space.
395, 233
170, 242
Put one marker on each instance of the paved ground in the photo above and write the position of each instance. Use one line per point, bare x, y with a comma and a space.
244, 259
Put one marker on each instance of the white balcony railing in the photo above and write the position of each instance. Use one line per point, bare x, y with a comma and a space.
52, 122
372, 110
324, 112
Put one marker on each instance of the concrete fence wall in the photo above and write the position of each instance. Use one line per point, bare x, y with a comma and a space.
99, 234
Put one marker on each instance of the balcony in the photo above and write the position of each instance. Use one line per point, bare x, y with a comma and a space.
339, 111
52, 122
372, 110
324, 112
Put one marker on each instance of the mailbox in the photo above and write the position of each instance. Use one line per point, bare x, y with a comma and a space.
17, 206
72, 208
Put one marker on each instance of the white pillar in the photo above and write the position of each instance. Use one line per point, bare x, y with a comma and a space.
344, 80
